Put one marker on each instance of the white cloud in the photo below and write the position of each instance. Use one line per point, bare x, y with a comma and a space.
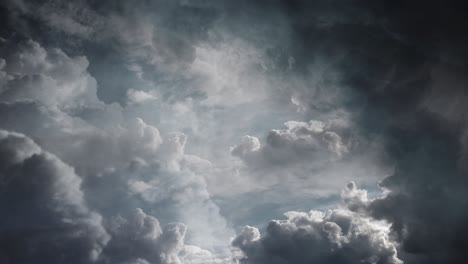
140, 238
312, 141
48, 76
139, 96
335, 236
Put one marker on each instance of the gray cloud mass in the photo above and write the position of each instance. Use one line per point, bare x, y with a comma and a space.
173, 132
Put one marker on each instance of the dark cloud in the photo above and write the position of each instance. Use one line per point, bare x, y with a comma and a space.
101, 85
426, 201
49, 221
405, 70
45, 216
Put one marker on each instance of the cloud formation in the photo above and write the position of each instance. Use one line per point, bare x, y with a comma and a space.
336, 236
123, 163
47, 76
140, 238
313, 141
49, 219
126, 112
46, 217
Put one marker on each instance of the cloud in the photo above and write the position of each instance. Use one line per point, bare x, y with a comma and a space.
335, 236
170, 187
124, 163
46, 217
390, 76
315, 157
138, 96
141, 238
47, 76
415, 204
51, 96
311, 140
91, 149
248, 145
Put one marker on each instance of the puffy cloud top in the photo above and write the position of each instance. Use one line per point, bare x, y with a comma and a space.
140, 238
337, 236
313, 141
127, 110
48, 76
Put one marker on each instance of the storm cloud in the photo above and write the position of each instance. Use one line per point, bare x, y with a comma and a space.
155, 131
46, 217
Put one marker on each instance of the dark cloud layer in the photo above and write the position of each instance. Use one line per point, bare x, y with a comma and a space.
406, 67
45, 216
91, 93
398, 65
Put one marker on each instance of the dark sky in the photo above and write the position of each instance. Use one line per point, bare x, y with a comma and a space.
173, 132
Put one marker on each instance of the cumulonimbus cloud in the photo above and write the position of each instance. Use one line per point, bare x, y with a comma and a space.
334, 236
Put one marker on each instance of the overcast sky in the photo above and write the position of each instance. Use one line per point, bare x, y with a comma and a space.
247, 131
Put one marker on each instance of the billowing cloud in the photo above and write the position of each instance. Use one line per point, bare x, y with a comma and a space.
141, 238
50, 221
136, 105
47, 76
46, 217
124, 163
315, 157
170, 188
335, 236
312, 141
426, 217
